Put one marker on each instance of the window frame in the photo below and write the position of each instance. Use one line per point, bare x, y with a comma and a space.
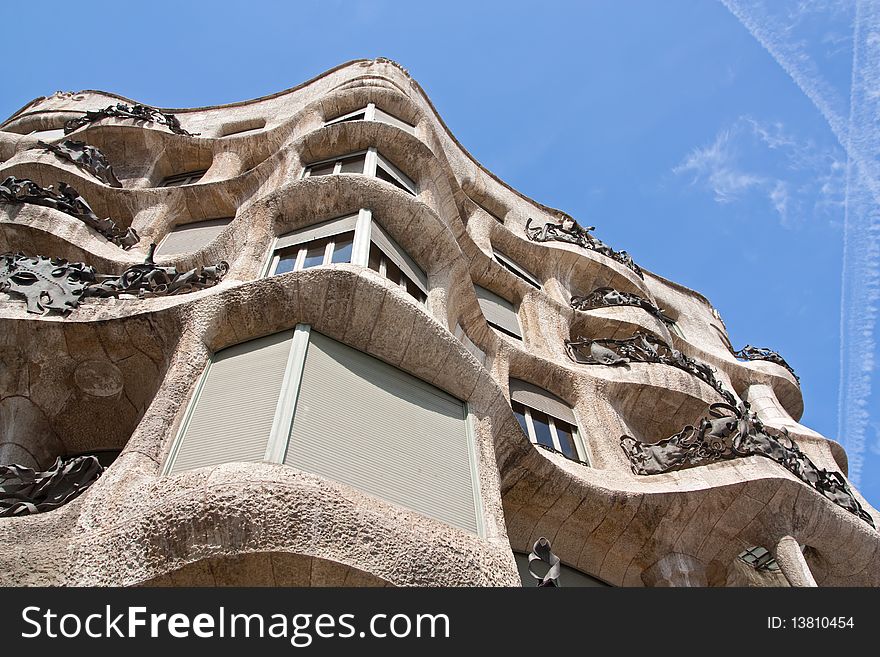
186, 177
372, 161
370, 114
532, 435
302, 251
280, 434
367, 232
514, 308
515, 269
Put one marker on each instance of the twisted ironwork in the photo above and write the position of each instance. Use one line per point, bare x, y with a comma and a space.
54, 284
568, 230
762, 353
85, 157
66, 199
642, 348
150, 280
45, 283
604, 297
731, 432
542, 552
24, 491
124, 111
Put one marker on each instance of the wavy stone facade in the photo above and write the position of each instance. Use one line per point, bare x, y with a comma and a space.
120, 373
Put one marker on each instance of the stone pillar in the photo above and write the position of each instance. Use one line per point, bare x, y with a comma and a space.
791, 562
676, 569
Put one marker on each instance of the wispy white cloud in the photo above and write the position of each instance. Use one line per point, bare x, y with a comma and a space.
759, 159
854, 123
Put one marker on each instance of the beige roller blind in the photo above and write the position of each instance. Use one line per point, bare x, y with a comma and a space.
317, 231
365, 423
498, 311
400, 257
385, 117
232, 414
191, 237
534, 397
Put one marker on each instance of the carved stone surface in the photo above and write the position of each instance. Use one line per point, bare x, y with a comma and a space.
45, 283
56, 284
642, 348
762, 353
24, 491
541, 552
66, 199
603, 297
569, 231
731, 432
86, 157
124, 111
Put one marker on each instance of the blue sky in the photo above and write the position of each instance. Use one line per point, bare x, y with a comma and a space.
728, 145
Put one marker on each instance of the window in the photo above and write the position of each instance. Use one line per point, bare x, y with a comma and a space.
516, 270
181, 179
191, 237
546, 420
368, 163
759, 558
301, 399
373, 113
356, 239
499, 312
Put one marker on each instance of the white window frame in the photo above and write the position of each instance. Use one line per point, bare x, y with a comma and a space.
554, 436
360, 252
303, 249
372, 162
515, 269
370, 114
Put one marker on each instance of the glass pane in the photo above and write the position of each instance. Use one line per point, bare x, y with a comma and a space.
520, 413
354, 117
354, 164
566, 439
342, 247
375, 257
286, 261
322, 169
392, 271
542, 429
315, 253
413, 289
387, 177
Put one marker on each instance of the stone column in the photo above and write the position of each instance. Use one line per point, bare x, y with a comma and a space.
791, 562
676, 569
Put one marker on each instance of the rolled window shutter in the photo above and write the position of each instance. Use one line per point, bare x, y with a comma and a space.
400, 257
318, 231
232, 415
367, 424
385, 117
534, 397
498, 311
191, 237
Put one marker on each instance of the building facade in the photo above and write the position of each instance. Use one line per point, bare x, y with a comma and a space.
308, 340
